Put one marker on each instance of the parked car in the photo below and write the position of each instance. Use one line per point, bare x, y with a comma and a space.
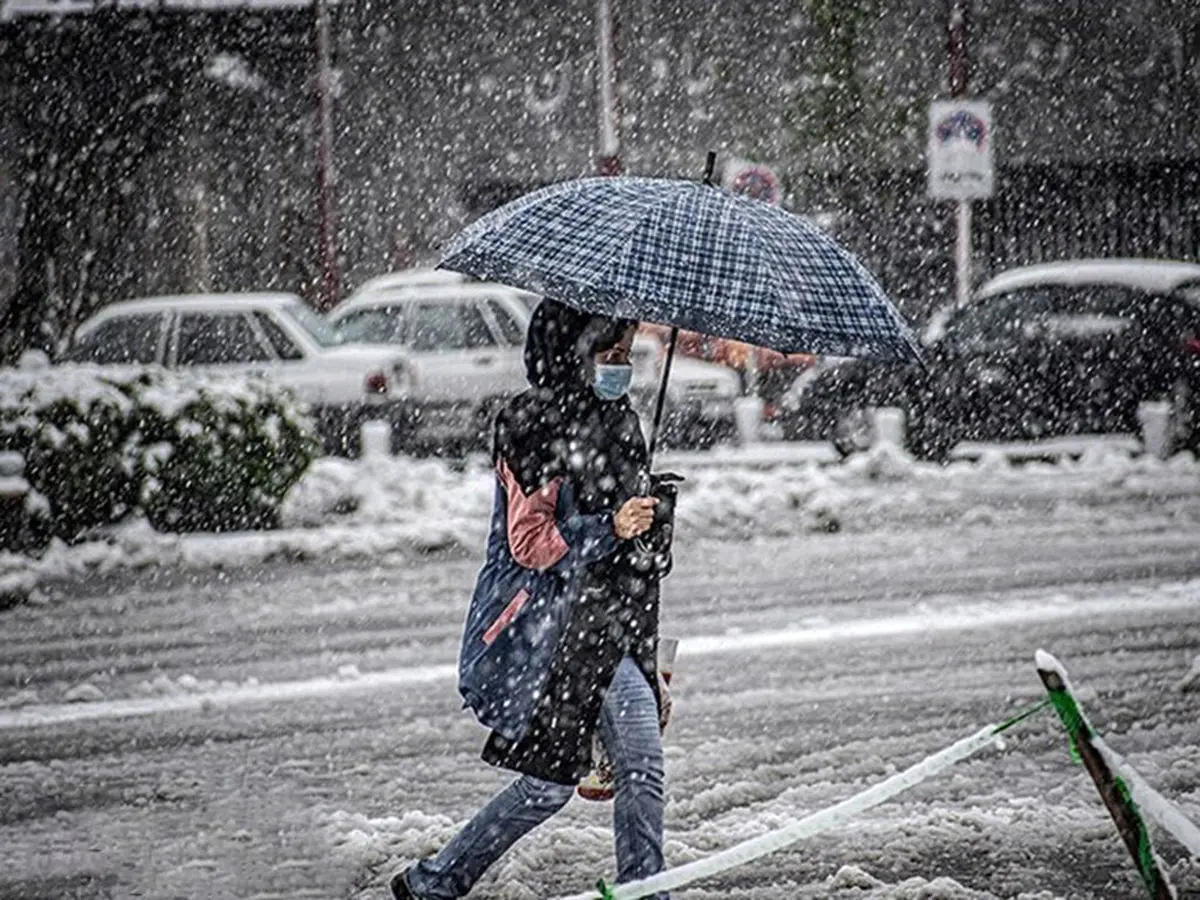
465, 345
272, 334
1041, 351
698, 410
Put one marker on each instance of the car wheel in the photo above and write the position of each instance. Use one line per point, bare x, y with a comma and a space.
929, 440
853, 431
704, 434
483, 425
338, 431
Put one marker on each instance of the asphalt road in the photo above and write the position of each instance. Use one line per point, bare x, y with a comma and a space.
810, 668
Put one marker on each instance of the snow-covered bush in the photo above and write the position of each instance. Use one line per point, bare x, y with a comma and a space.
220, 456
76, 431
192, 454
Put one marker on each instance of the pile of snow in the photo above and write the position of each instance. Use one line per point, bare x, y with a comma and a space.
740, 498
382, 846
382, 506
391, 490
165, 686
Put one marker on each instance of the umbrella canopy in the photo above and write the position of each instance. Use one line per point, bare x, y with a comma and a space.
690, 256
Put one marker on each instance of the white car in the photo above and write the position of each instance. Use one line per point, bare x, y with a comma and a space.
464, 342
271, 334
464, 345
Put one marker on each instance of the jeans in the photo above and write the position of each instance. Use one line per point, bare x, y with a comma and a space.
628, 727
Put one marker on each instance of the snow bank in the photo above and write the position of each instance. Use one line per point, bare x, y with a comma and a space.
379, 506
736, 495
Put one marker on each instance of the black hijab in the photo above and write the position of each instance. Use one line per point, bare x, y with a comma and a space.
559, 427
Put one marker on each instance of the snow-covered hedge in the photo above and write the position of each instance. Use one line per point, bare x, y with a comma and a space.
192, 454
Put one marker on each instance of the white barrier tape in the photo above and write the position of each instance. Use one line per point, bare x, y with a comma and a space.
1151, 802
831, 817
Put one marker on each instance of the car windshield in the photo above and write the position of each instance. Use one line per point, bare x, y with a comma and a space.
324, 334
373, 326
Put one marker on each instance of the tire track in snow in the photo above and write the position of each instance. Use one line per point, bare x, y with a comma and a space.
1181, 595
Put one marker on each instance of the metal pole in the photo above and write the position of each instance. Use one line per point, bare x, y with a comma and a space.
327, 295
962, 254
958, 48
201, 270
662, 396
609, 162
959, 78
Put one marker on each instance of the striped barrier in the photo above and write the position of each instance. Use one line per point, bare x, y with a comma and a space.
828, 818
1124, 792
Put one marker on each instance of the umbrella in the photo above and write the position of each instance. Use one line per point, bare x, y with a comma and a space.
690, 256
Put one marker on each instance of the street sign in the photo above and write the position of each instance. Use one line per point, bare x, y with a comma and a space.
754, 180
960, 149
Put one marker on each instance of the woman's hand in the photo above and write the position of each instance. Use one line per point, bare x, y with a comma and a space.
635, 517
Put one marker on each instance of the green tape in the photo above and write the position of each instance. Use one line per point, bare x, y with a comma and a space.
1021, 716
1073, 719
1114, 790
1146, 863
606, 893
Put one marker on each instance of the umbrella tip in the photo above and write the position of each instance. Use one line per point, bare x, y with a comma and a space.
710, 165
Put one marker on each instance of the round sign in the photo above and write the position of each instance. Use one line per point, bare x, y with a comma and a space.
755, 181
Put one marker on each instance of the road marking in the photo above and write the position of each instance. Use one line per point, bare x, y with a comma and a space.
1178, 596
276, 691
963, 618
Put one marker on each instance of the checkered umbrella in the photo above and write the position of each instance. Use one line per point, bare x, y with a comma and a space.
686, 255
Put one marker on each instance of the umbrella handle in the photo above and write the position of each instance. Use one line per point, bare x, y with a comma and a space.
662, 396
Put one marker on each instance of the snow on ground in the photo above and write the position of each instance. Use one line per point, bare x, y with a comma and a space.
1017, 803
287, 731
163, 694
378, 506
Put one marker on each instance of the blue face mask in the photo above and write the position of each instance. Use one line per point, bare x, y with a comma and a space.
612, 381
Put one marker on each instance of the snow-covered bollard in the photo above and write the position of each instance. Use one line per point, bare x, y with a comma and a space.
376, 439
1154, 417
747, 415
889, 427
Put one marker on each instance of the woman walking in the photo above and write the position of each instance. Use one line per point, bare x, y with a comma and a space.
560, 641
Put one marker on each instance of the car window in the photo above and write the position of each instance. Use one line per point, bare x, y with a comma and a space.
126, 339
991, 319
1014, 316
512, 331
322, 333
1059, 312
379, 325
216, 339
280, 341
448, 326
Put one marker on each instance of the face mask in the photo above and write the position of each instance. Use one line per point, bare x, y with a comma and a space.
612, 381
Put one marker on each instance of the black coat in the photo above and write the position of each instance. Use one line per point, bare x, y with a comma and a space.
559, 429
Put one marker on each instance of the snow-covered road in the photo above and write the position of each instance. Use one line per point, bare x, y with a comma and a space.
274, 731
